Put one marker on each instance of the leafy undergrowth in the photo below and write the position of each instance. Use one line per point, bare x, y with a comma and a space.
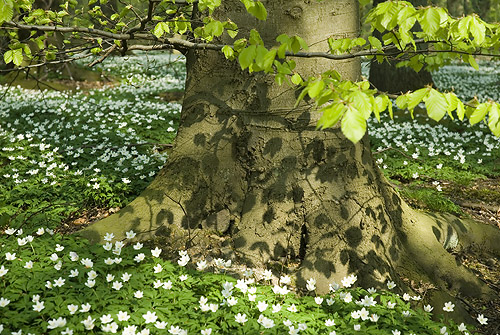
50, 283
68, 158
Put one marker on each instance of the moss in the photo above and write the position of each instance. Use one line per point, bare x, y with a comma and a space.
430, 199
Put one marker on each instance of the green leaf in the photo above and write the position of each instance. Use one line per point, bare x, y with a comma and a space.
402, 101
6, 10
416, 97
493, 119
331, 115
160, 29
379, 105
247, 56
7, 56
436, 105
430, 20
296, 79
268, 60
228, 51
214, 28
353, 124
315, 89
375, 42
17, 56
460, 110
479, 113
477, 29
362, 103
256, 8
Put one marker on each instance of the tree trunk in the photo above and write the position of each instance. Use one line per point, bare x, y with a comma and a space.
251, 179
386, 77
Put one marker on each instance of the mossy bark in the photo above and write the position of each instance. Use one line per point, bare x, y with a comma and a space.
249, 168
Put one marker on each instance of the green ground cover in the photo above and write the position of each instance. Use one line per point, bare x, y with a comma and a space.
62, 153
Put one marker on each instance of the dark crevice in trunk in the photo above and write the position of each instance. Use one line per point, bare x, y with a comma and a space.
304, 237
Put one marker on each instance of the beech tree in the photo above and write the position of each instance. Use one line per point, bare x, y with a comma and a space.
272, 164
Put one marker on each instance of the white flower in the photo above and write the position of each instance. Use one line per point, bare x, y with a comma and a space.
357, 327
391, 285
262, 306
349, 280
368, 301
87, 262
73, 273
201, 265
122, 316
462, 327
4, 302
85, 308
138, 294
106, 318
183, 260
117, 285
90, 283
265, 322
207, 331
138, 246
292, 308
267, 275
59, 282
3, 271
482, 320
318, 300
374, 317
126, 276
140, 257
88, 323
396, 332
240, 318
110, 327
92, 274
276, 308
55, 323
448, 306
107, 246
59, 247
167, 285
406, 313
286, 280
130, 234
157, 268
72, 309
183, 277
67, 331
38, 306
329, 323
311, 284
330, 301
28, 265
347, 297
161, 324
109, 261
73, 256
333, 287
9, 256
156, 252
428, 308
126, 180
150, 317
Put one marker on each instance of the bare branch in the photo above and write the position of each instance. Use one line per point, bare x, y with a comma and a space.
106, 54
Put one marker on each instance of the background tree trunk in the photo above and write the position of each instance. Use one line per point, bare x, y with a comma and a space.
387, 78
251, 179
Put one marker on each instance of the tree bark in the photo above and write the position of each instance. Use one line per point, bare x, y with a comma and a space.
250, 178
386, 77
